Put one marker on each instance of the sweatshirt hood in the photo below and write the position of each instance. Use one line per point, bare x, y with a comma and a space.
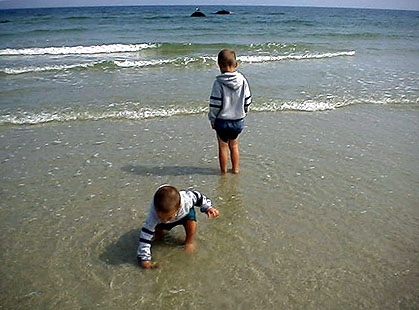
233, 80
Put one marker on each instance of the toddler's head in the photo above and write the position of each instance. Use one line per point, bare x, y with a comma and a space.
227, 60
166, 202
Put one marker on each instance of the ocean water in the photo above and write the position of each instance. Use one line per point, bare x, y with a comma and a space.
141, 62
100, 106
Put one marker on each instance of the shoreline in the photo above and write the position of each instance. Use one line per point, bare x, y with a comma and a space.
145, 115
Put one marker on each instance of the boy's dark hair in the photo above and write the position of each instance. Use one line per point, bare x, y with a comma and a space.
227, 58
166, 199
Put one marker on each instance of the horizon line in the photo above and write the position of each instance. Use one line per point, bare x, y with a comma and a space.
207, 5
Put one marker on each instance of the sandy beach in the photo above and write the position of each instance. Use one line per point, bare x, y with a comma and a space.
324, 214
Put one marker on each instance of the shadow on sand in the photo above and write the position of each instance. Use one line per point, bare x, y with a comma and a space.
169, 170
123, 251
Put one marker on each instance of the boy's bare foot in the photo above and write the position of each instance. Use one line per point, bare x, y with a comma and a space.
190, 247
149, 265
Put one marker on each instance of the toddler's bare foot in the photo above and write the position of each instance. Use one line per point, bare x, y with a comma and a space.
235, 171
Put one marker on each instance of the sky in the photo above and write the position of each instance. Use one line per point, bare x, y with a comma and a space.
373, 4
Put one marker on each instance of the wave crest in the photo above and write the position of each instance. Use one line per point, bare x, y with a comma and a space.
268, 58
75, 50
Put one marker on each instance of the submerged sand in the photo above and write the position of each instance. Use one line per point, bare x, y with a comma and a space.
324, 214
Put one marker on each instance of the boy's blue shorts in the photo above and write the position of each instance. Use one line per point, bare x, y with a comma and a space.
191, 216
228, 130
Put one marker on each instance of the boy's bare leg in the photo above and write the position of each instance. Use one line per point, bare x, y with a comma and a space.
190, 229
222, 155
235, 155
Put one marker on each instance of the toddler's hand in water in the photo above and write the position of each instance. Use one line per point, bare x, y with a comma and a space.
212, 212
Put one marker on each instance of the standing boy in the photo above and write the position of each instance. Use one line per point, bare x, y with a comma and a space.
229, 102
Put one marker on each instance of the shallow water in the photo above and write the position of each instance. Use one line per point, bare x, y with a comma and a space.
324, 213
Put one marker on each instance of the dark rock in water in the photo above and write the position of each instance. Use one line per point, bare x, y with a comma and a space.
198, 14
4, 21
223, 12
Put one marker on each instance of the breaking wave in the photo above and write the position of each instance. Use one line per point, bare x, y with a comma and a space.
134, 47
176, 61
267, 58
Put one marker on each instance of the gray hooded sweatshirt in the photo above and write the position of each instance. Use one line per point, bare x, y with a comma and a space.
230, 97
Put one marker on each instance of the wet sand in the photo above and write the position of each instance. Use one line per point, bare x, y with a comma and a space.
324, 214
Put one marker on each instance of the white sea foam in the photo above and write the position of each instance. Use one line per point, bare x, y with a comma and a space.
143, 63
134, 111
305, 105
69, 50
47, 68
28, 118
181, 61
268, 58
244, 59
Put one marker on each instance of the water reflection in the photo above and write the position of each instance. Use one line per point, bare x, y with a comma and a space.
229, 199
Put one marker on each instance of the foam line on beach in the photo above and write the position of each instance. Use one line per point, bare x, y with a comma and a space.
27, 118
133, 111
